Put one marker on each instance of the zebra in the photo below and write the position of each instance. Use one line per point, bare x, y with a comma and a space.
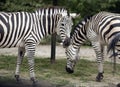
101, 29
26, 29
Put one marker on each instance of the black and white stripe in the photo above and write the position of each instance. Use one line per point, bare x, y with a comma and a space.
25, 30
102, 29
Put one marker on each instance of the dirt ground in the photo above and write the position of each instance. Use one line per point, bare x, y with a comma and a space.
45, 51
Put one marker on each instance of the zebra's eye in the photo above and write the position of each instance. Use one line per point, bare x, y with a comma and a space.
62, 24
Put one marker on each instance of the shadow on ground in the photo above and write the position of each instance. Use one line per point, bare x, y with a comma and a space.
7, 82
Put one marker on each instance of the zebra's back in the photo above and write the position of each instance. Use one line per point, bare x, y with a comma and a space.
104, 24
14, 27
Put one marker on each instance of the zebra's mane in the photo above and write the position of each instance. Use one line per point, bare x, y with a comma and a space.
81, 24
53, 10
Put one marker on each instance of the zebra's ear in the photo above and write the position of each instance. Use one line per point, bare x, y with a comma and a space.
74, 15
64, 14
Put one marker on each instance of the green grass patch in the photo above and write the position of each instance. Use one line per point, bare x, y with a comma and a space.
55, 73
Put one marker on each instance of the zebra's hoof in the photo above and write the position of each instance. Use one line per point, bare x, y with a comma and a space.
118, 85
34, 81
17, 77
69, 70
99, 77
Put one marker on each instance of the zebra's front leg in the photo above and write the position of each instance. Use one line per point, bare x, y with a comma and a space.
100, 76
30, 56
21, 53
100, 56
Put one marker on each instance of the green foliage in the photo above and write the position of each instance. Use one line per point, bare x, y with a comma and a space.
20, 5
84, 7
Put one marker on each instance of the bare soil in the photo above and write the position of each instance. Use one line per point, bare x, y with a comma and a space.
45, 51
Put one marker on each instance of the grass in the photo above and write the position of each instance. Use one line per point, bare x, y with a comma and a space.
54, 73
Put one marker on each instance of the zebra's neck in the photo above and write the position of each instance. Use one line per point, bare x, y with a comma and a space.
47, 20
44, 25
80, 33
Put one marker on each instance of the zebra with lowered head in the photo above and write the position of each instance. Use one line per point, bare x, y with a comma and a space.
102, 29
25, 30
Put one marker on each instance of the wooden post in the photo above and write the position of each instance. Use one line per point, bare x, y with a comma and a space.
53, 47
53, 40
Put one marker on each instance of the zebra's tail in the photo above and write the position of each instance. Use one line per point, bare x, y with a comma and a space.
111, 48
112, 44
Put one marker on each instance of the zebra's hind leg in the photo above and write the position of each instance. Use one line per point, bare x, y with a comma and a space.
21, 53
30, 47
99, 77
100, 56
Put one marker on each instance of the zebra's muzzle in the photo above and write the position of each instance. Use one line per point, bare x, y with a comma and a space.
66, 42
69, 70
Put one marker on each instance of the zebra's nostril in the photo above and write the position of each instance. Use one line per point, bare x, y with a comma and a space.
66, 43
69, 70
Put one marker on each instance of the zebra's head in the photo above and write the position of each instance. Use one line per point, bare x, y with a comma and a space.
64, 28
72, 57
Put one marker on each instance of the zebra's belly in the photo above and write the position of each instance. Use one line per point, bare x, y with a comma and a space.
10, 43
1, 34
